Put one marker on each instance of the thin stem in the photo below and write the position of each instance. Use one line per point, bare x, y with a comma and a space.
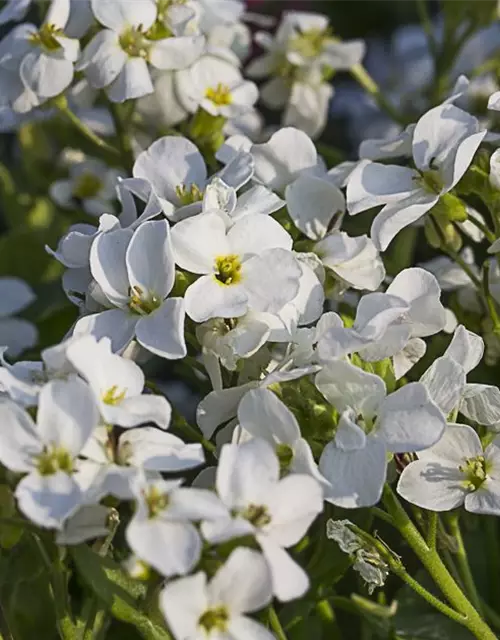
61, 104
464, 266
436, 568
490, 303
275, 623
426, 22
463, 561
360, 74
126, 152
183, 425
382, 515
432, 529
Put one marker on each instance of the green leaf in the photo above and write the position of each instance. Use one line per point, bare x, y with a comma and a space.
121, 594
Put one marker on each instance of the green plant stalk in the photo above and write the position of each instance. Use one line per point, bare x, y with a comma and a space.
61, 104
491, 525
490, 303
362, 76
430, 559
124, 143
432, 530
275, 623
463, 561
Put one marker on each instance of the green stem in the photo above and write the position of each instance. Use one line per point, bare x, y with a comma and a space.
183, 425
61, 104
432, 529
490, 303
124, 143
491, 524
488, 234
437, 570
382, 515
275, 623
360, 74
463, 561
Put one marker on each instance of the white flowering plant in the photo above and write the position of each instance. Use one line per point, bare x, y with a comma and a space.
248, 371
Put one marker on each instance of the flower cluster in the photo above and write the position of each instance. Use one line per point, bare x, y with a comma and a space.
323, 364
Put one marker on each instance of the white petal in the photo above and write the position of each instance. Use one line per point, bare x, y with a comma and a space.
494, 101
209, 298
398, 215
481, 404
246, 473
133, 411
437, 486
172, 548
312, 204
372, 184
243, 583
162, 332
346, 386
170, 162
103, 59
45, 75
17, 335
149, 259
486, 500
183, 602
459, 442
115, 324
403, 361
271, 294
19, 440
198, 241
262, 414
466, 348
356, 477
445, 381
257, 200
289, 580
255, 234
220, 406
349, 436
120, 14
176, 53
245, 628
107, 263
133, 81
48, 500
155, 450
280, 161
408, 420
88, 523
67, 414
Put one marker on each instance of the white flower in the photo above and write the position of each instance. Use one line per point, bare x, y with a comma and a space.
235, 265
117, 58
135, 272
16, 334
370, 425
117, 384
445, 140
37, 64
278, 512
354, 261
89, 522
161, 531
46, 452
456, 471
110, 465
385, 323
262, 415
91, 185
196, 609
177, 173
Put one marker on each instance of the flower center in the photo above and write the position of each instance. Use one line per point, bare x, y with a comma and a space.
87, 185
258, 515
133, 41
475, 471
221, 95
143, 304
214, 619
228, 269
54, 459
189, 195
431, 181
156, 502
310, 43
285, 456
46, 37
113, 395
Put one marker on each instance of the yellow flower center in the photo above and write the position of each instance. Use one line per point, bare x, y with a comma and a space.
87, 185
46, 37
310, 43
258, 515
133, 41
228, 269
156, 501
54, 459
431, 181
188, 195
214, 619
476, 472
221, 95
143, 304
285, 456
113, 395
